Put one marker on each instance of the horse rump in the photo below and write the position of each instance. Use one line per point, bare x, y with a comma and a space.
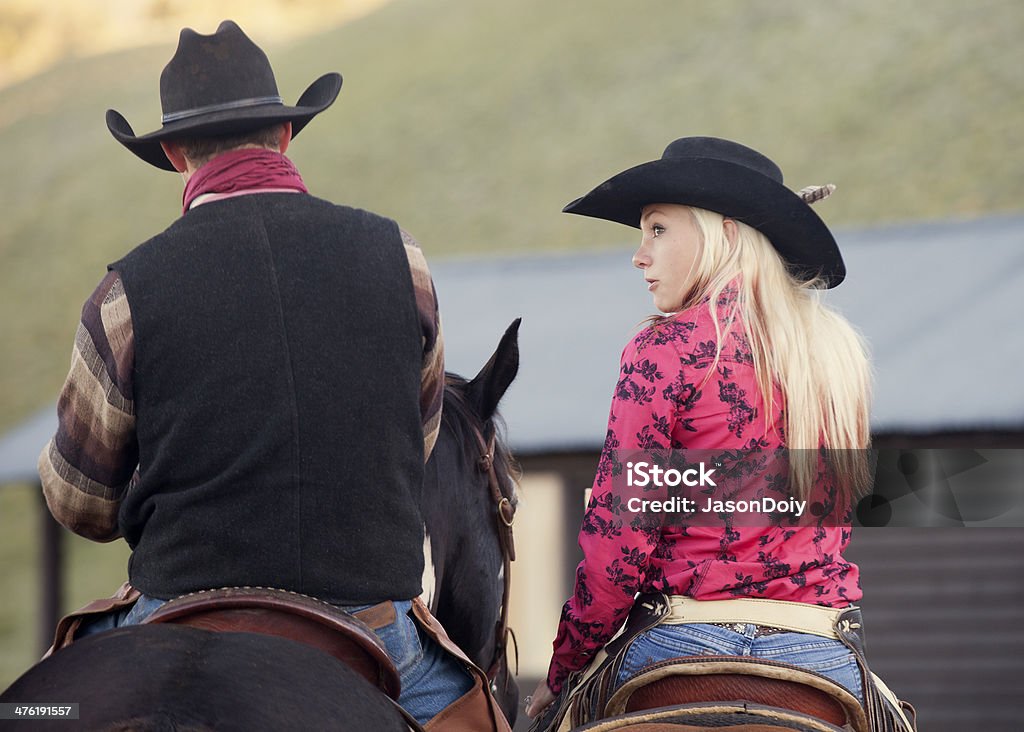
166, 677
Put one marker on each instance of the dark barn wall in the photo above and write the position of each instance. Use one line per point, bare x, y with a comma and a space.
942, 611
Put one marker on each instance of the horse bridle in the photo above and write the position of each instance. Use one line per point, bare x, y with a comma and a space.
505, 514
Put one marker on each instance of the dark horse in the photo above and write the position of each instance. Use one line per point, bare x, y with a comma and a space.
465, 524
171, 677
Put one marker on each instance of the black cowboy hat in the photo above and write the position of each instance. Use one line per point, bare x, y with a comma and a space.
730, 179
220, 84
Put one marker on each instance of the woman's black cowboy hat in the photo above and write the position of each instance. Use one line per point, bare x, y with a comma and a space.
220, 84
730, 179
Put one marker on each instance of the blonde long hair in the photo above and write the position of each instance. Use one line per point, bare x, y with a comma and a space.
812, 353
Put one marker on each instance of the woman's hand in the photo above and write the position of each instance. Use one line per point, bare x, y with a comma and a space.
540, 699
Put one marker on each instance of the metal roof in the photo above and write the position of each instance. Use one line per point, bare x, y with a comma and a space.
20, 447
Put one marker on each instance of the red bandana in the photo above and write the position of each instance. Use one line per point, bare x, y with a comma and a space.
243, 170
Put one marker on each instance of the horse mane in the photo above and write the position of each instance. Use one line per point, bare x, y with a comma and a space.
460, 417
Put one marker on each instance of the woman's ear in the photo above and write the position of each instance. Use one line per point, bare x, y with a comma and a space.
731, 230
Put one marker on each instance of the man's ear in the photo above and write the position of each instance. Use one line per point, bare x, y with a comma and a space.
285, 138
173, 152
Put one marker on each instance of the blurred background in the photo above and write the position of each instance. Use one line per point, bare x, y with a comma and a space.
472, 124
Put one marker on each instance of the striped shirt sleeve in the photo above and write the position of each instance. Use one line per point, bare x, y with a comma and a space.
86, 468
432, 374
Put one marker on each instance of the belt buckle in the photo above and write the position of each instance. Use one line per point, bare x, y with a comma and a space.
741, 628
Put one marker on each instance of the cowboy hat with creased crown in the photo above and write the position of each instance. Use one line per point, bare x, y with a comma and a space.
220, 84
735, 181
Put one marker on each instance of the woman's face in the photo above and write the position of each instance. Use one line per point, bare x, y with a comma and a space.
668, 253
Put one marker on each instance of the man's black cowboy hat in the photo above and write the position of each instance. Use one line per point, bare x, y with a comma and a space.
220, 84
730, 179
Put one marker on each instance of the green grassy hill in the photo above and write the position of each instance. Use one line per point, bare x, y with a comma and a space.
472, 123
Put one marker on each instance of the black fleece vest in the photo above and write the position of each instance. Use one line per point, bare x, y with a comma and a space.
278, 354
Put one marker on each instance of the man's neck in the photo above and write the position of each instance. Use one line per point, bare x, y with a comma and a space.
191, 166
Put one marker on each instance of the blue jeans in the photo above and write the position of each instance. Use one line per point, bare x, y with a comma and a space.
431, 679
142, 609
826, 656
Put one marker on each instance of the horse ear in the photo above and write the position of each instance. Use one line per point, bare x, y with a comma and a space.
489, 386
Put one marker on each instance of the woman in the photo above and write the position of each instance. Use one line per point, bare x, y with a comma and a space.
745, 358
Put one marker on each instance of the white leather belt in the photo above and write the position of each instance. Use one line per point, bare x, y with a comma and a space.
799, 617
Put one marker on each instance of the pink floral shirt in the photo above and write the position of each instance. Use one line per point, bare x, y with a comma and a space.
662, 401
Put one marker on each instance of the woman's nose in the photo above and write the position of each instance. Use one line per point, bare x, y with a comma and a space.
641, 259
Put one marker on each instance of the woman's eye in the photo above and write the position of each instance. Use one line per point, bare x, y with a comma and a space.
657, 230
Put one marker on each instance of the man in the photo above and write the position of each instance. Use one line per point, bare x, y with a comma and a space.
254, 391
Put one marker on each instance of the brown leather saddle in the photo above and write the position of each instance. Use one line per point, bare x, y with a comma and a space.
347, 637
296, 617
699, 717
686, 685
690, 685
722, 691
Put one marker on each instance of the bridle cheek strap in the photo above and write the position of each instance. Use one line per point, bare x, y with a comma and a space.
505, 514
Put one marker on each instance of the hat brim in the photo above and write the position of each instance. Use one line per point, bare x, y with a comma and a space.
735, 191
317, 97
